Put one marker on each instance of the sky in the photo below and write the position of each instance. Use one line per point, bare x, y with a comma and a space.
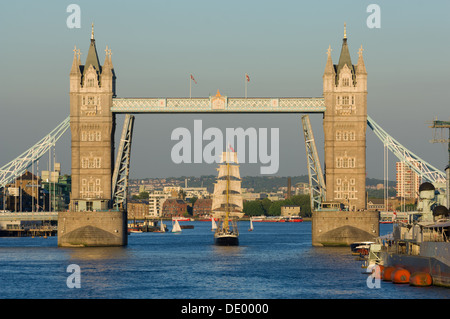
281, 44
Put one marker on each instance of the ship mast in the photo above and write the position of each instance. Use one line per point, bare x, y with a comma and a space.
227, 211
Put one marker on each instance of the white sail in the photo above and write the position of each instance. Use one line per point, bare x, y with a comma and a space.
232, 169
162, 228
235, 202
176, 227
251, 225
221, 186
213, 224
220, 214
229, 157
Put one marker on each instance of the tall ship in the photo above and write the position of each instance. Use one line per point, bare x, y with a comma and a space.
227, 203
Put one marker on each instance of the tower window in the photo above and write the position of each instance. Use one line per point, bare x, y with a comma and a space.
345, 82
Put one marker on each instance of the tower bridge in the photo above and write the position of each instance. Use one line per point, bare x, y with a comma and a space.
97, 213
94, 105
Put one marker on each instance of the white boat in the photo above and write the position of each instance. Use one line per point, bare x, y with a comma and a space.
213, 224
176, 227
251, 225
162, 228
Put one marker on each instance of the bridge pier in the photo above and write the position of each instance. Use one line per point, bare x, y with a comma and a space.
341, 228
86, 229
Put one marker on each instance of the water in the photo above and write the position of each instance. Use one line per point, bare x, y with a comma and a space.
275, 261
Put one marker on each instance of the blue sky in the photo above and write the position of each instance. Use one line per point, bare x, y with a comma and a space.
280, 44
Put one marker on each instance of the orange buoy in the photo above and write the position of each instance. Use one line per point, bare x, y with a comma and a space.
400, 276
386, 273
420, 279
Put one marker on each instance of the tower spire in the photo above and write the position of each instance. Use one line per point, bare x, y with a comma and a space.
345, 30
92, 32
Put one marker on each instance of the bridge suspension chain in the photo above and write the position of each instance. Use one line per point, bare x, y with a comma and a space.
425, 170
18, 166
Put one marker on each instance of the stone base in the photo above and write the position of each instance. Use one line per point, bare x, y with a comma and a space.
92, 229
341, 228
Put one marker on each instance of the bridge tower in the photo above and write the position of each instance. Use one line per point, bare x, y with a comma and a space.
345, 121
92, 87
90, 220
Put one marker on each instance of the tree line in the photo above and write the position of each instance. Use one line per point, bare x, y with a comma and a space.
273, 208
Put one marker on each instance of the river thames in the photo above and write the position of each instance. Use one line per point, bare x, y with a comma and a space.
275, 261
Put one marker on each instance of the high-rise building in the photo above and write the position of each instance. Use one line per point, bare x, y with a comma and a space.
408, 181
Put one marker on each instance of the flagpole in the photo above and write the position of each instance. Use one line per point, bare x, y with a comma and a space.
245, 80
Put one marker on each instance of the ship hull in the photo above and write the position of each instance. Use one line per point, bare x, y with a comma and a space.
432, 260
226, 240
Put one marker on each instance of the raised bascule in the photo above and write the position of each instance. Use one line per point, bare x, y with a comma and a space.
97, 214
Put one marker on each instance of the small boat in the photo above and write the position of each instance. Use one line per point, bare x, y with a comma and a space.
362, 250
213, 224
162, 228
355, 245
176, 227
251, 226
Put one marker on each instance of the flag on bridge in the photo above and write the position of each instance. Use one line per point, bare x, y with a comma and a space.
247, 77
192, 78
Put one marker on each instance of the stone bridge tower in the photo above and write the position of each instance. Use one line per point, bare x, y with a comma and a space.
92, 87
90, 220
345, 122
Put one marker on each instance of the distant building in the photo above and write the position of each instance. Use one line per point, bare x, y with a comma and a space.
156, 201
290, 210
202, 207
174, 207
199, 192
408, 181
172, 191
302, 188
25, 194
137, 210
375, 204
253, 196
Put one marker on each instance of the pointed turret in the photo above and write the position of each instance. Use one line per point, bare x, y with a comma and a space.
92, 57
75, 63
360, 66
329, 68
75, 74
107, 76
329, 74
361, 73
345, 58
